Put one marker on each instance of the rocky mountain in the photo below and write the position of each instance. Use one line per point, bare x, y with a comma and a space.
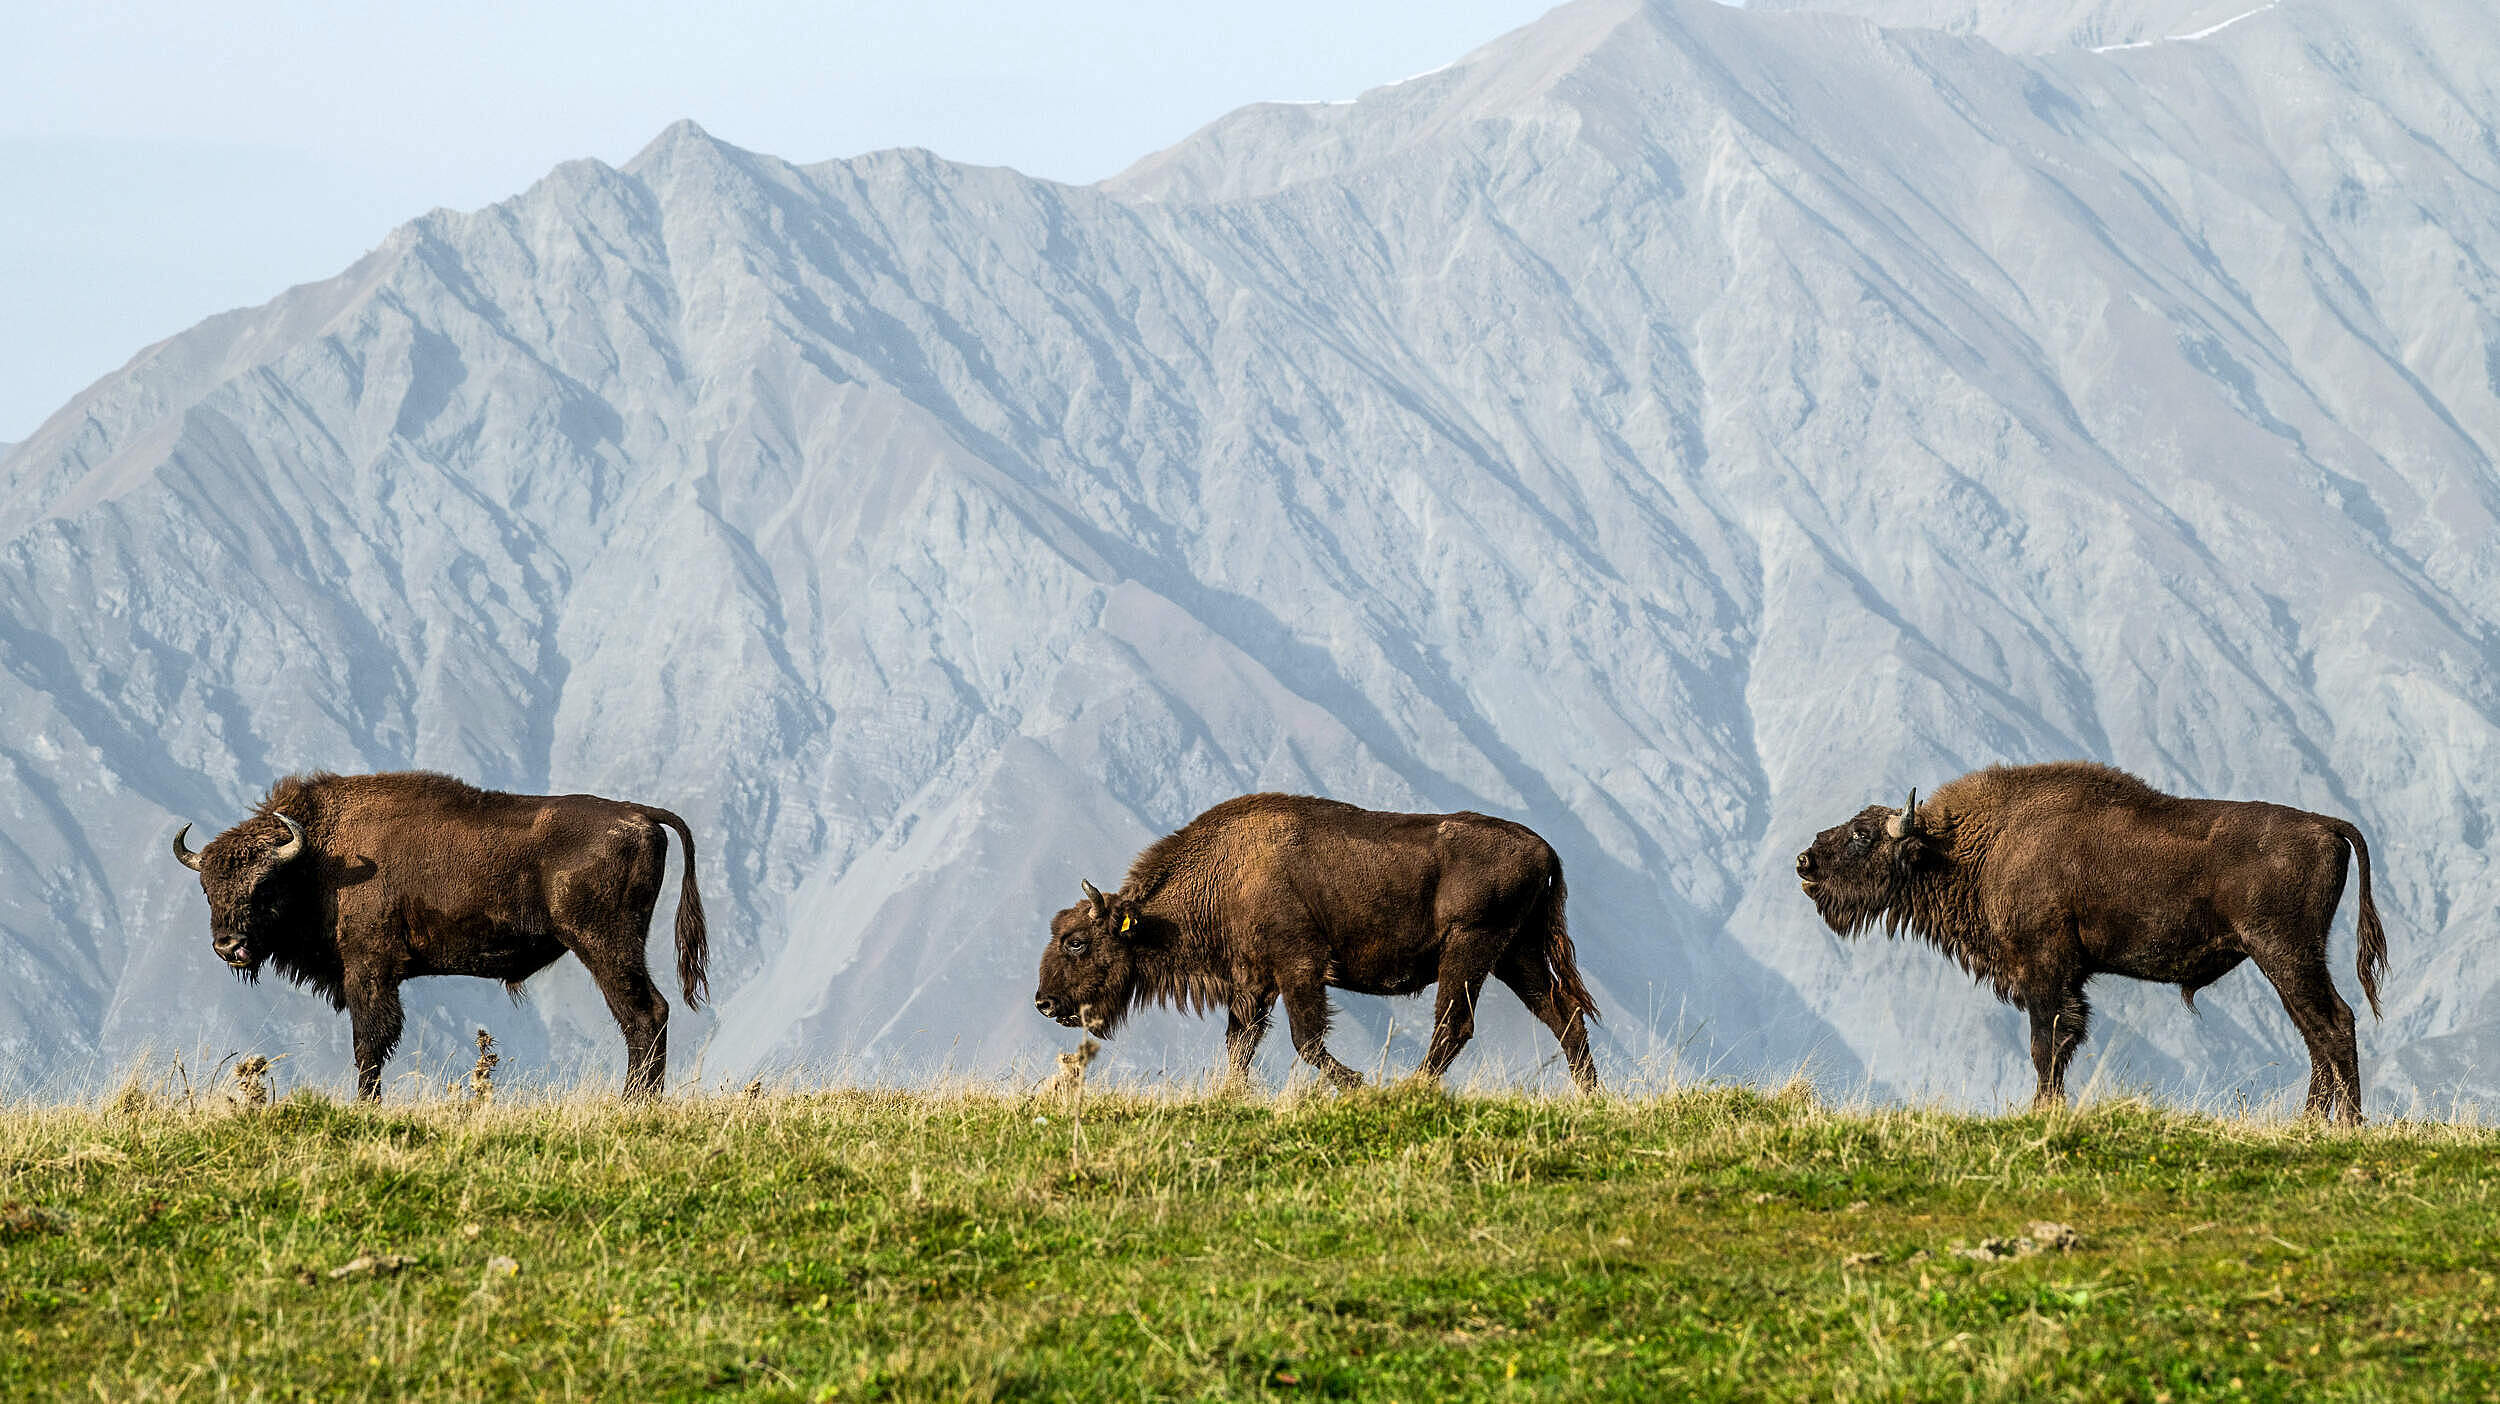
1671, 425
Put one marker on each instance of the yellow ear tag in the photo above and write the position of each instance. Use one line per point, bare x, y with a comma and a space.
1126, 922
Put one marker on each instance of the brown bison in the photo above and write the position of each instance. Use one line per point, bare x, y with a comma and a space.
353, 883
1270, 897
2039, 877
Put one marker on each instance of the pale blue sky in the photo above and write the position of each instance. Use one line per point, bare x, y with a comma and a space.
163, 161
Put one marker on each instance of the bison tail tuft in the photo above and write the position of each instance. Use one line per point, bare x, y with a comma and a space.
693, 942
1560, 960
2370, 961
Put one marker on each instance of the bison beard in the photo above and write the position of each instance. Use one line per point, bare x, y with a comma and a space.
2036, 878
351, 884
1280, 897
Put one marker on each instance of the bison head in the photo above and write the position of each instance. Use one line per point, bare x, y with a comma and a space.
246, 873
1089, 969
1860, 871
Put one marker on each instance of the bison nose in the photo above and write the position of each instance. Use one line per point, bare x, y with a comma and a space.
1805, 863
1048, 1006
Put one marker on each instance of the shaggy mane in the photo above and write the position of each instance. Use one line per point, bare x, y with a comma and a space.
303, 797
1188, 970
1965, 816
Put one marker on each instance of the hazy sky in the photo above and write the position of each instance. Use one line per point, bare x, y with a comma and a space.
162, 161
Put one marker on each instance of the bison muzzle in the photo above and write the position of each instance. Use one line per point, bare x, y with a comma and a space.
351, 884
2037, 878
1270, 898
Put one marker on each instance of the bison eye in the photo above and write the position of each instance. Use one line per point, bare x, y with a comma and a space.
1860, 840
1076, 945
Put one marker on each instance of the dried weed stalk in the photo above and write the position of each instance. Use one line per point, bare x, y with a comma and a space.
482, 1077
251, 1083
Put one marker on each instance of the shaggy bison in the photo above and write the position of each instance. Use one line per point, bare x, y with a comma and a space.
2038, 877
353, 883
1270, 897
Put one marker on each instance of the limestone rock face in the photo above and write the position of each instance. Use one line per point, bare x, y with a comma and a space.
1672, 426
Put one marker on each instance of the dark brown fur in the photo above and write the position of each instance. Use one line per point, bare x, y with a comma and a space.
1270, 897
2036, 878
412, 874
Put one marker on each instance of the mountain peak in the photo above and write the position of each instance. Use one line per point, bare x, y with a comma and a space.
1269, 145
678, 140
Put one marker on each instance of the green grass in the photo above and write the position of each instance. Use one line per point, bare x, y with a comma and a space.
1393, 1245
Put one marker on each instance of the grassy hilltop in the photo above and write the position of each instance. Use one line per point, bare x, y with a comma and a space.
1393, 1245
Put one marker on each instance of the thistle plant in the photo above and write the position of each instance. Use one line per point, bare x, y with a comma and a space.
482, 1077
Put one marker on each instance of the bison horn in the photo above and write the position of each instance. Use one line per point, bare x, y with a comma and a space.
1094, 895
1905, 822
294, 840
182, 851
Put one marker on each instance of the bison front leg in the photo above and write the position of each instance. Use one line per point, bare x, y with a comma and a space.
2058, 1023
374, 1017
1306, 1014
1245, 1024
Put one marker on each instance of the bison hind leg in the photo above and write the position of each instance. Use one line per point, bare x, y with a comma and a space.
1525, 972
1453, 1019
617, 967
642, 1015
2325, 1022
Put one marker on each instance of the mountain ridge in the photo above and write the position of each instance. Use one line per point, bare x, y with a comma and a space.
2032, 27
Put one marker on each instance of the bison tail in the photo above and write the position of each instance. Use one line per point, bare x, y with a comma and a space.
693, 945
1560, 960
2371, 962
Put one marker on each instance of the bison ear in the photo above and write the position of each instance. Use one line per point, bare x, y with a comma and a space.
1926, 844
1128, 921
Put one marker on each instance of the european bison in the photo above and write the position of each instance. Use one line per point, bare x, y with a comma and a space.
353, 883
2039, 877
1282, 896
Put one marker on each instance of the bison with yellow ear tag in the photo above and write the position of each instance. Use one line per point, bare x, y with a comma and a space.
1279, 898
